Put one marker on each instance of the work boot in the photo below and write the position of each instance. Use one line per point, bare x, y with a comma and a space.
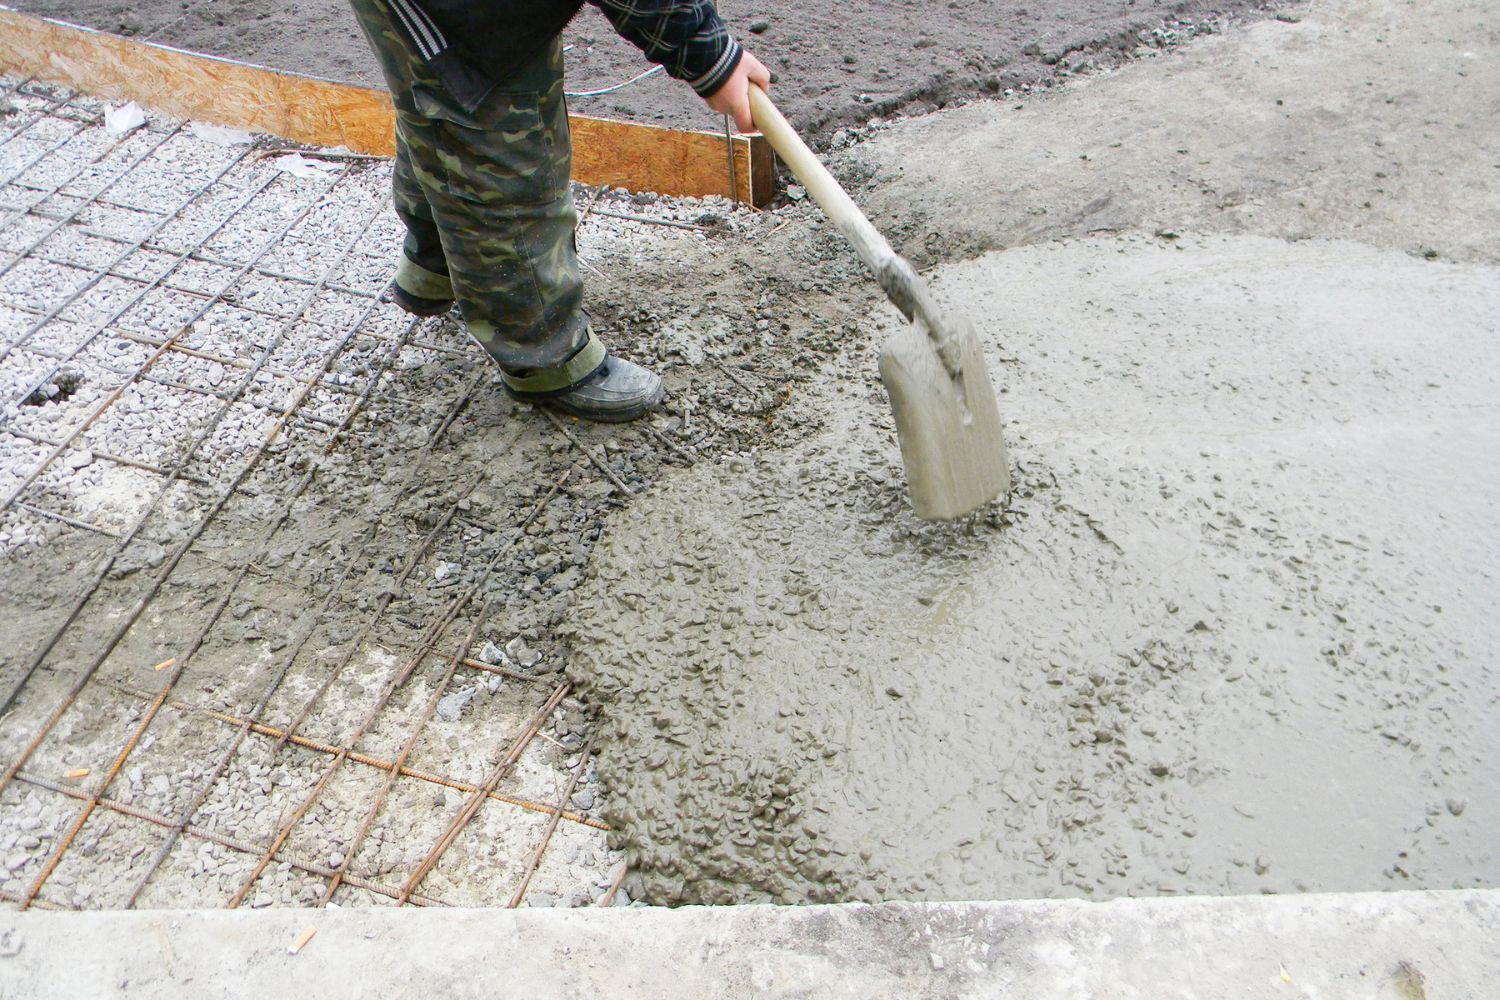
418, 306
617, 391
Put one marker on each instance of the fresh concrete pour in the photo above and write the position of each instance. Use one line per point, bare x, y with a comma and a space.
1232, 632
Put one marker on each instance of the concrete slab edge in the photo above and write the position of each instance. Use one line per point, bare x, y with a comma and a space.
1399, 945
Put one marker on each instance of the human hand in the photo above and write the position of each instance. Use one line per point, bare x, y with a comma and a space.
733, 99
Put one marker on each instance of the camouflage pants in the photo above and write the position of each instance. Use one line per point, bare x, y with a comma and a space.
488, 208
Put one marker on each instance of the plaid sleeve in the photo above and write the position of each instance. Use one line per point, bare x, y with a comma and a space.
687, 37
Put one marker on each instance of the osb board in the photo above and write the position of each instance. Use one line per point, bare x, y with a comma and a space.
323, 113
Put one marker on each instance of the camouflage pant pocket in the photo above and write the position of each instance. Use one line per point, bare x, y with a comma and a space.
513, 149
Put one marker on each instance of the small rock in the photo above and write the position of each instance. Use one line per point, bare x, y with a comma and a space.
539, 899
1456, 806
451, 706
262, 900
520, 652
79, 459
759, 26
142, 554
583, 800
937, 961
493, 655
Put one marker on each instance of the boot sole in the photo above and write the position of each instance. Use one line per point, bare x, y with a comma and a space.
624, 416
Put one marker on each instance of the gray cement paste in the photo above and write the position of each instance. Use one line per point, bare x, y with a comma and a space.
1232, 631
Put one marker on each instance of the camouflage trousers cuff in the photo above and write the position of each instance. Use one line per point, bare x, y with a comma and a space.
546, 381
414, 279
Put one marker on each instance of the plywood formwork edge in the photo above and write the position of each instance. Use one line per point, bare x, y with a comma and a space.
320, 112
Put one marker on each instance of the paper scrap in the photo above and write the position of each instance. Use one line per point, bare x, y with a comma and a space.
219, 135
300, 166
77, 772
124, 118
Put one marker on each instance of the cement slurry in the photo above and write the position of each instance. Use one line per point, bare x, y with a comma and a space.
1231, 633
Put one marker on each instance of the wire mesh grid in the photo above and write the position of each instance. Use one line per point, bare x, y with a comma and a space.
230, 698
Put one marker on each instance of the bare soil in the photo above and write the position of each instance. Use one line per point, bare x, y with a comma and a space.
835, 64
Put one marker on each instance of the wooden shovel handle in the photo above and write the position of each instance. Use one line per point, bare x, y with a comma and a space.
896, 276
871, 246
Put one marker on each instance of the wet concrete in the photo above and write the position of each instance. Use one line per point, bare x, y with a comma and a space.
1230, 633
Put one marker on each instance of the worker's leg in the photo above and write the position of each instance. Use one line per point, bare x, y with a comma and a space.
422, 284
493, 186
497, 180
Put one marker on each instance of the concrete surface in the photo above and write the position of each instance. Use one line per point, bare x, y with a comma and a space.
1392, 946
1232, 631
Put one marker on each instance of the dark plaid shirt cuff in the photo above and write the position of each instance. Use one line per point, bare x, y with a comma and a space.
687, 37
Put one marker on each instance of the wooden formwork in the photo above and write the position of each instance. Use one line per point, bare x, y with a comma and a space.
324, 113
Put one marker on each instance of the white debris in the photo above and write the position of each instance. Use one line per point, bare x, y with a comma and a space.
124, 118
300, 166
219, 135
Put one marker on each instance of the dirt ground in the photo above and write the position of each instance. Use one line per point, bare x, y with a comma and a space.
1230, 633
834, 65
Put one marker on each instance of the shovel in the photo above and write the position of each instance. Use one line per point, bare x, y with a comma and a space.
946, 417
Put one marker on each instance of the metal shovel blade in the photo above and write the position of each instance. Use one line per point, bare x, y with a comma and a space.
949, 427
